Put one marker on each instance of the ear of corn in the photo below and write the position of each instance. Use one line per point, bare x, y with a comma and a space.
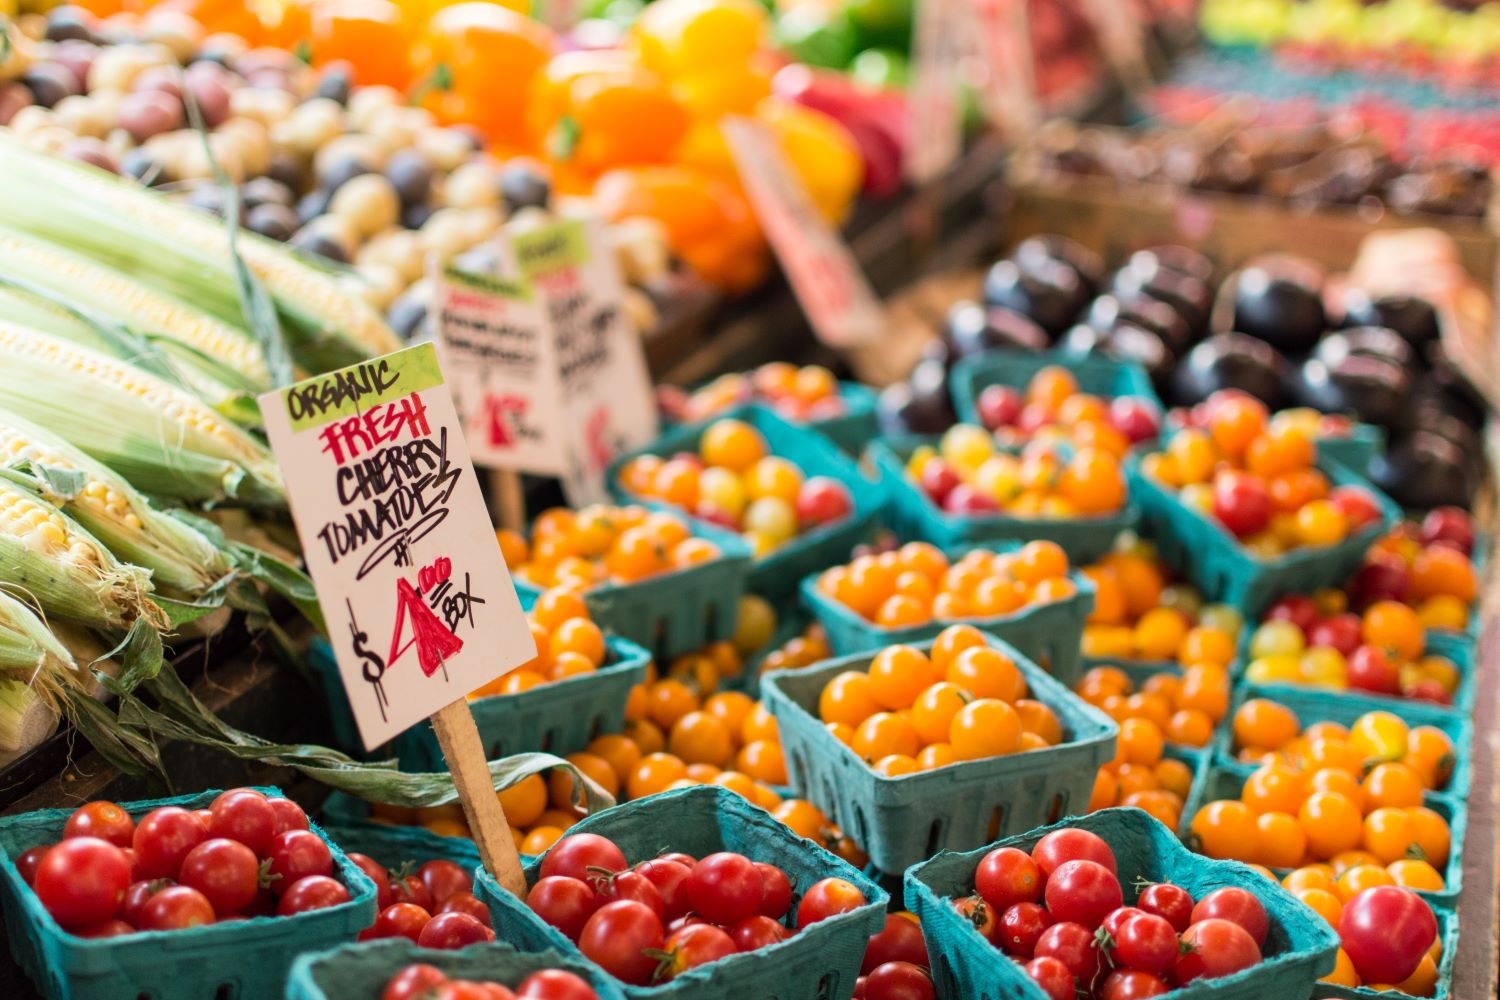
183, 252
50, 560
54, 270
27, 645
160, 438
27, 719
180, 559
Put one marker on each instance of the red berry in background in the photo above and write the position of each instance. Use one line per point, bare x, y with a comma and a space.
754, 933
1450, 526
1383, 577
105, 929
1299, 609
413, 982
1385, 931
1340, 632
297, 854
175, 908
314, 892
82, 881
1131, 984
135, 898
1357, 505
724, 888
225, 871
553, 984
412, 889
451, 931
1071, 845
998, 406
27, 863
1241, 503
245, 815
1213, 948
163, 838
576, 853
899, 940
775, 891
1021, 927
1082, 892
1007, 876
1054, 978
822, 500
565, 903
400, 920
899, 981
966, 499
981, 916
828, 898
619, 938
1134, 417
465, 902
1237, 905
104, 820
1033, 417
1370, 669
938, 479
1146, 942
377, 873
1072, 945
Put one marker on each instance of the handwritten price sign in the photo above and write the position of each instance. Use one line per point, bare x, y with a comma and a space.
420, 606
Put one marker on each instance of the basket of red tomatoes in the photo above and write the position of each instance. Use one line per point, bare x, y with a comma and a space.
689, 895
1044, 916
194, 897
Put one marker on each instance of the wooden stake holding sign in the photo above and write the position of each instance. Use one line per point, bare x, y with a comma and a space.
934, 117
420, 607
1002, 42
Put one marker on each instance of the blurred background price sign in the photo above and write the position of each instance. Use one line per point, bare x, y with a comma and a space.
1002, 45
934, 115
420, 606
834, 294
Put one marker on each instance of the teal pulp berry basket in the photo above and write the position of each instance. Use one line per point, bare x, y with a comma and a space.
1356, 449
775, 575
1221, 567
851, 430
1447, 921
239, 960
1299, 948
360, 971
911, 514
1049, 633
819, 962
900, 821
560, 717
674, 613
1096, 375
1217, 779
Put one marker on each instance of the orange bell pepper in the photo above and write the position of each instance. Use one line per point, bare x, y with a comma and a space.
598, 110
476, 64
369, 34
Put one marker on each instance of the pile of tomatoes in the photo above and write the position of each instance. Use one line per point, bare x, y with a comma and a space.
434, 906
734, 481
599, 543
1255, 476
896, 966
968, 473
420, 981
1428, 566
1060, 912
246, 855
912, 711
803, 395
653, 921
1139, 615
1054, 405
1380, 651
568, 644
917, 584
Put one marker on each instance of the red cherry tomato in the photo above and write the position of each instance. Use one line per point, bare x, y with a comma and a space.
1241, 503
899, 981
565, 903
289, 815
1386, 930
82, 881
724, 887
105, 929
1072, 945
1083, 892
629, 885
104, 820
1146, 942
174, 908
1171, 902
1131, 984
761, 931
465, 902
401, 920
452, 931
900, 940
667, 876
295, 855
1055, 978
1021, 927
619, 938
245, 815
1006, 877
692, 946
775, 891
312, 892
411, 889
1213, 948
981, 916
378, 874
1237, 906
413, 982
135, 898
1115, 919
163, 838
574, 855
826, 898
27, 863
1072, 845
443, 879
553, 984
687, 860
225, 871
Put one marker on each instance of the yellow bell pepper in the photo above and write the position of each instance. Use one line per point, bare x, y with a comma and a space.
683, 37
820, 150
732, 89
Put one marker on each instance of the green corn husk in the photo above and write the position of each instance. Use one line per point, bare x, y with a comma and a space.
159, 437
180, 559
184, 253
27, 645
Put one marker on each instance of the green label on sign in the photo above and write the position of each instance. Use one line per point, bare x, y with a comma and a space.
552, 248
344, 393
487, 283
